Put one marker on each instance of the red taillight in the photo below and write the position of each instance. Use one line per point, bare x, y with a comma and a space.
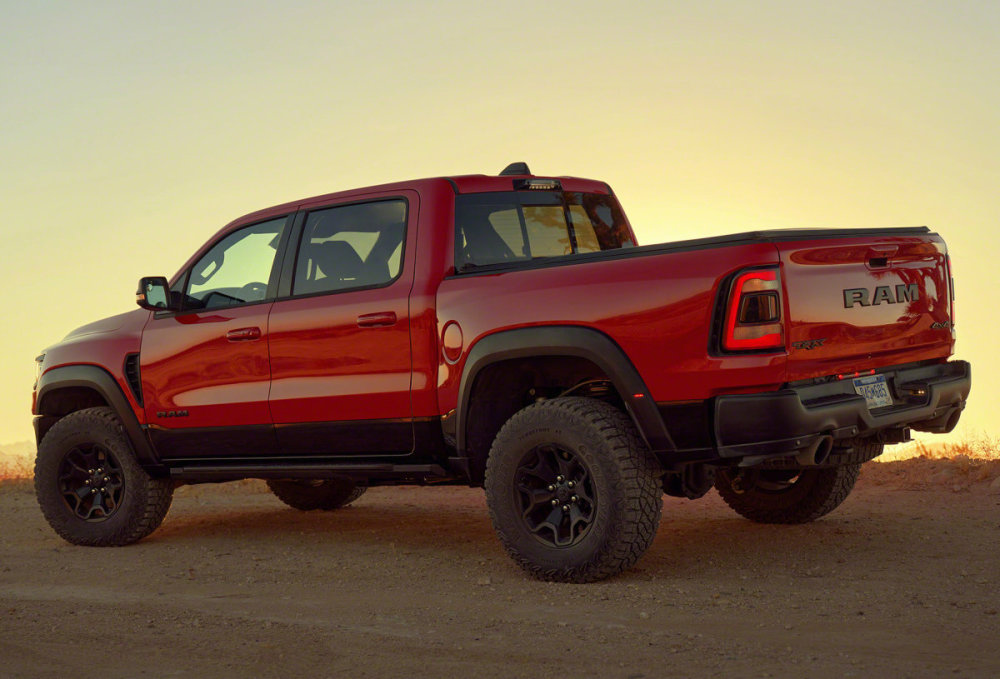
753, 314
951, 289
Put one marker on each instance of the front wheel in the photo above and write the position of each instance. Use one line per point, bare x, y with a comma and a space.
786, 495
573, 493
89, 485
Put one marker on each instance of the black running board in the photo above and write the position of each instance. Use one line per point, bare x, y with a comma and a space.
195, 472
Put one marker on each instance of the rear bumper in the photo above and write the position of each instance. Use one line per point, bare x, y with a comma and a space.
798, 419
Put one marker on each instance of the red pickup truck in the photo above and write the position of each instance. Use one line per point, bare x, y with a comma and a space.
504, 332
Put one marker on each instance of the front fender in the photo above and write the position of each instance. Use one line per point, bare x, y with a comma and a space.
101, 382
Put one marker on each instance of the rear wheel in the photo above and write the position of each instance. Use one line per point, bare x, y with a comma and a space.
89, 485
573, 493
311, 494
786, 495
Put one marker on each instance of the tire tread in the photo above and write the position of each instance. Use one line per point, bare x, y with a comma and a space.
638, 498
154, 494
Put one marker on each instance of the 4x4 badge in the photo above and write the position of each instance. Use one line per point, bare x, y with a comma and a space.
808, 344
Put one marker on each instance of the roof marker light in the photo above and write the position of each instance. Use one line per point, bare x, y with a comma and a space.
537, 184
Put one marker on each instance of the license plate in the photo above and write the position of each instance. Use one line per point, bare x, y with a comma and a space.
874, 389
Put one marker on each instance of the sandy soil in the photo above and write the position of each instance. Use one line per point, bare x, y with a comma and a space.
903, 581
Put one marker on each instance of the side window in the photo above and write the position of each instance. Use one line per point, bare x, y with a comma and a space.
507, 227
352, 246
237, 268
583, 228
547, 232
489, 233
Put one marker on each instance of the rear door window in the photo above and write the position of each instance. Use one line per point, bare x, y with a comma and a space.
351, 246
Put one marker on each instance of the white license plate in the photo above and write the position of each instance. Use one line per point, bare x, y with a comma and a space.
874, 389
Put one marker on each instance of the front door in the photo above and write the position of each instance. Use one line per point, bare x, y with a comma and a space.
340, 345
205, 370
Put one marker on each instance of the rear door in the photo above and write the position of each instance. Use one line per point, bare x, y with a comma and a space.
340, 340
858, 303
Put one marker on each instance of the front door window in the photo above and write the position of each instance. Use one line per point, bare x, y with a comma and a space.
237, 270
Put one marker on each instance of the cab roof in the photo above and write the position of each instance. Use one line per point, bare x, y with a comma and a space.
513, 178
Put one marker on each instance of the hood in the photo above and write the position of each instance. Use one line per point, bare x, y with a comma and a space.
136, 317
104, 343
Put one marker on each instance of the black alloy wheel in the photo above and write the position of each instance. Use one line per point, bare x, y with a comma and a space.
90, 486
574, 494
91, 482
556, 495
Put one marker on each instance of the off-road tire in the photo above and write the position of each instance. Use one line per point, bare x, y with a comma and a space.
618, 483
786, 496
70, 457
311, 494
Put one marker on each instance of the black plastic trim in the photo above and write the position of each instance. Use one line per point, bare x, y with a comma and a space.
576, 341
290, 256
515, 170
101, 381
131, 370
363, 440
254, 439
350, 437
791, 419
734, 240
368, 473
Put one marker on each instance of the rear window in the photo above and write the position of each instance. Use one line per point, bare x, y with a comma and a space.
509, 227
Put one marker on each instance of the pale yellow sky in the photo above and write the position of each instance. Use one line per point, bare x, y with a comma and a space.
132, 131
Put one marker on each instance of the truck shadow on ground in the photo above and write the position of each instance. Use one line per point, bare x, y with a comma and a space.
692, 539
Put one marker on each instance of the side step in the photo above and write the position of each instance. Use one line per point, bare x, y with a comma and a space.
208, 471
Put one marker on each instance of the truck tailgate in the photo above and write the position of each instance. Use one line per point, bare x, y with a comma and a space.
858, 300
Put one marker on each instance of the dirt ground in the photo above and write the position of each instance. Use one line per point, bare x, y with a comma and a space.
902, 581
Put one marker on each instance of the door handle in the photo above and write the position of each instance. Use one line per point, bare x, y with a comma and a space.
376, 320
243, 335
880, 255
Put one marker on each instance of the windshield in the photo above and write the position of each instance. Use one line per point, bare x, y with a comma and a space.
506, 227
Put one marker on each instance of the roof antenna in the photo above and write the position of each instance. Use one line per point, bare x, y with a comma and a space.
515, 169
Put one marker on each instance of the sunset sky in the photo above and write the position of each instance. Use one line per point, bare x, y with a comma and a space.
131, 132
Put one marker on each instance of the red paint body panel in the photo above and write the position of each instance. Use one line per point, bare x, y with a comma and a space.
346, 355
657, 308
327, 368
816, 273
104, 344
188, 363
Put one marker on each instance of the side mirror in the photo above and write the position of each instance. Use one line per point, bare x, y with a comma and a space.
154, 294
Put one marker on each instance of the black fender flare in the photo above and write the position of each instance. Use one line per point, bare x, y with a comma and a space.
100, 380
566, 340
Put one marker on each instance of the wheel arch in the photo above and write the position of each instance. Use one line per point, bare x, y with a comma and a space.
69, 388
554, 342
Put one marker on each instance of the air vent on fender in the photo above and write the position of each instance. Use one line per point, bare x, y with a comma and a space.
132, 375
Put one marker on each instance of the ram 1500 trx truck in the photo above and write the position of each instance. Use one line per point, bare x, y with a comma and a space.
503, 332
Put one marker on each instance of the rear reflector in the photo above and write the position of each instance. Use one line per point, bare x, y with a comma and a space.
849, 376
753, 313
